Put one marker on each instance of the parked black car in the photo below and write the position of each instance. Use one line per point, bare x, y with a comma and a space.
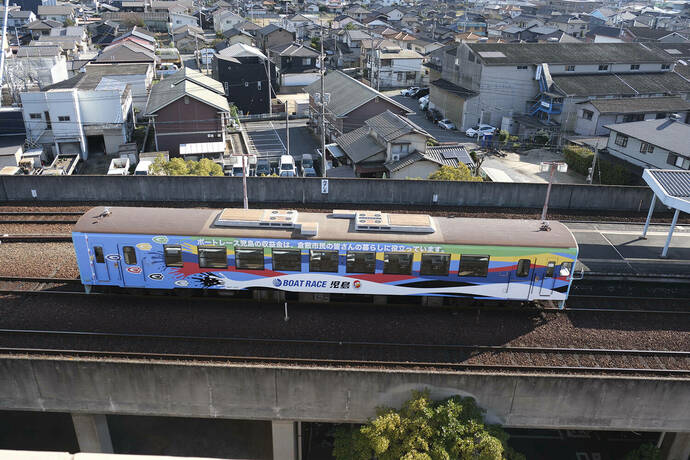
434, 115
420, 93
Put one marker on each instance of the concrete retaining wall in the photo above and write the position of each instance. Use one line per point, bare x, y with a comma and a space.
308, 190
307, 394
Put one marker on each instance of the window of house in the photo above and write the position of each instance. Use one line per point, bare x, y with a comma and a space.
523, 268
400, 148
678, 161
130, 255
646, 148
474, 265
522, 67
225, 87
213, 257
258, 85
360, 262
587, 114
603, 67
435, 264
287, 260
633, 117
63, 118
634, 66
306, 61
570, 68
323, 261
397, 263
665, 66
35, 116
172, 254
470, 57
400, 76
621, 140
249, 259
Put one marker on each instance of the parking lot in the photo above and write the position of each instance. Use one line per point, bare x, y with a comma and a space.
268, 139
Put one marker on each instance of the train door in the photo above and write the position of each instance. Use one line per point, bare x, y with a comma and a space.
521, 280
98, 261
548, 280
132, 272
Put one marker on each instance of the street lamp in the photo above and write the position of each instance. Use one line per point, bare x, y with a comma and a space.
552, 167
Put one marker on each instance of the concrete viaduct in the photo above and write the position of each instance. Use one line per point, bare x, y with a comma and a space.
89, 389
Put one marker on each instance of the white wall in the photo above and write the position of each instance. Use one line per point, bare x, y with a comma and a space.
631, 153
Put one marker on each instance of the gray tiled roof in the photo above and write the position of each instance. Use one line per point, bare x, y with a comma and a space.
39, 51
565, 53
347, 93
294, 49
390, 126
450, 155
622, 84
197, 77
674, 183
165, 93
640, 104
359, 145
665, 133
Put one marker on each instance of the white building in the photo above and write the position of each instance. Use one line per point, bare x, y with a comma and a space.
225, 20
81, 115
181, 19
396, 68
37, 66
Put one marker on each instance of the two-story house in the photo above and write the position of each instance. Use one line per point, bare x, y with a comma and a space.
655, 144
296, 65
272, 35
539, 84
226, 19
38, 66
296, 24
394, 67
86, 114
59, 13
17, 19
390, 145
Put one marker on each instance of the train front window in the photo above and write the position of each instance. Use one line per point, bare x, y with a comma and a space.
435, 264
213, 257
287, 260
98, 254
550, 269
397, 263
130, 255
566, 268
323, 261
173, 255
523, 268
474, 265
249, 259
361, 262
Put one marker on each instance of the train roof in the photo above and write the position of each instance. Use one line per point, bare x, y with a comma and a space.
335, 226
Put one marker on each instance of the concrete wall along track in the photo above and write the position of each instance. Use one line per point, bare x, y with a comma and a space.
308, 190
83, 385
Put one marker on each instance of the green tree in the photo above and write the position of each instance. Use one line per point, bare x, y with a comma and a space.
69, 22
350, 26
644, 452
180, 167
426, 430
459, 173
133, 19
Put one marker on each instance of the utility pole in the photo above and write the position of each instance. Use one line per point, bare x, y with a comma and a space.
269, 73
323, 107
3, 40
590, 175
287, 129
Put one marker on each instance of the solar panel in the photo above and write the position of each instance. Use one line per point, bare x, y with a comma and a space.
492, 54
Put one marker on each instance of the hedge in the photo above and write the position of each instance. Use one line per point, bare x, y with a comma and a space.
579, 159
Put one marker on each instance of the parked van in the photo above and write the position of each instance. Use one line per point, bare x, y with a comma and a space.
307, 166
287, 166
142, 168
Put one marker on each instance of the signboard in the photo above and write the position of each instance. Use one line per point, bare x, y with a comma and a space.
324, 186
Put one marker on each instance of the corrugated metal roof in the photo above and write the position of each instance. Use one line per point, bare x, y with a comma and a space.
674, 183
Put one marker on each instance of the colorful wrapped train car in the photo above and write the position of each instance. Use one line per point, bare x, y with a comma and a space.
343, 252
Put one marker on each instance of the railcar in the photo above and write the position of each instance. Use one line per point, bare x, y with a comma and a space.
343, 252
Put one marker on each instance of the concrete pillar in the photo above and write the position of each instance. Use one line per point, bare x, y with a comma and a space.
678, 448
664, 252
649, 217
92, 433
284, 440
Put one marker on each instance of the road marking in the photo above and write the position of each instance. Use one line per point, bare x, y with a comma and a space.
278, 136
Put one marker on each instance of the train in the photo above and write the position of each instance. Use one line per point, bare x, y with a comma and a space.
342, 252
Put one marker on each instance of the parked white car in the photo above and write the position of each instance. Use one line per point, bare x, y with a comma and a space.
446, 124
409, 91
287, 166
166, 69
482, 130
424, 102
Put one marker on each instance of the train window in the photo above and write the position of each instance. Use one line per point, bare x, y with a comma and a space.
397, 263
98, 254
435, 264
249, 259
213, 257
361, 262
566, 268
323, 261
173, 255
523, 268
287, 259
474, 265
130, 255
550, 269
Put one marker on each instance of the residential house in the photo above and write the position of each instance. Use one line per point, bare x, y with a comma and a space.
86, 114
296, 24
187, 107
349, 103
233, 36
226, 19
390, 145
138, 76
41, 27
189, 38
37, 66
357, 12
353, 39
594, 115
392, 13
653, 144
393, 67
128, 51
571, 25
296, 64
343, 21
17, 19
178, 19
272, 35
154, 21
647, 34
243, 71
538, 84
59, 13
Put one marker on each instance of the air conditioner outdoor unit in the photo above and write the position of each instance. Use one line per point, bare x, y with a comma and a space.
396, 157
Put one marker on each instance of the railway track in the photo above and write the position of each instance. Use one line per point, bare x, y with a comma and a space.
39, 217
453, 357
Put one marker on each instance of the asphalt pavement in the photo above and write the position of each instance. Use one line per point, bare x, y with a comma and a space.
269, 138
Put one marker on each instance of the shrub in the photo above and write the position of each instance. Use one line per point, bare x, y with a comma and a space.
579, 159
